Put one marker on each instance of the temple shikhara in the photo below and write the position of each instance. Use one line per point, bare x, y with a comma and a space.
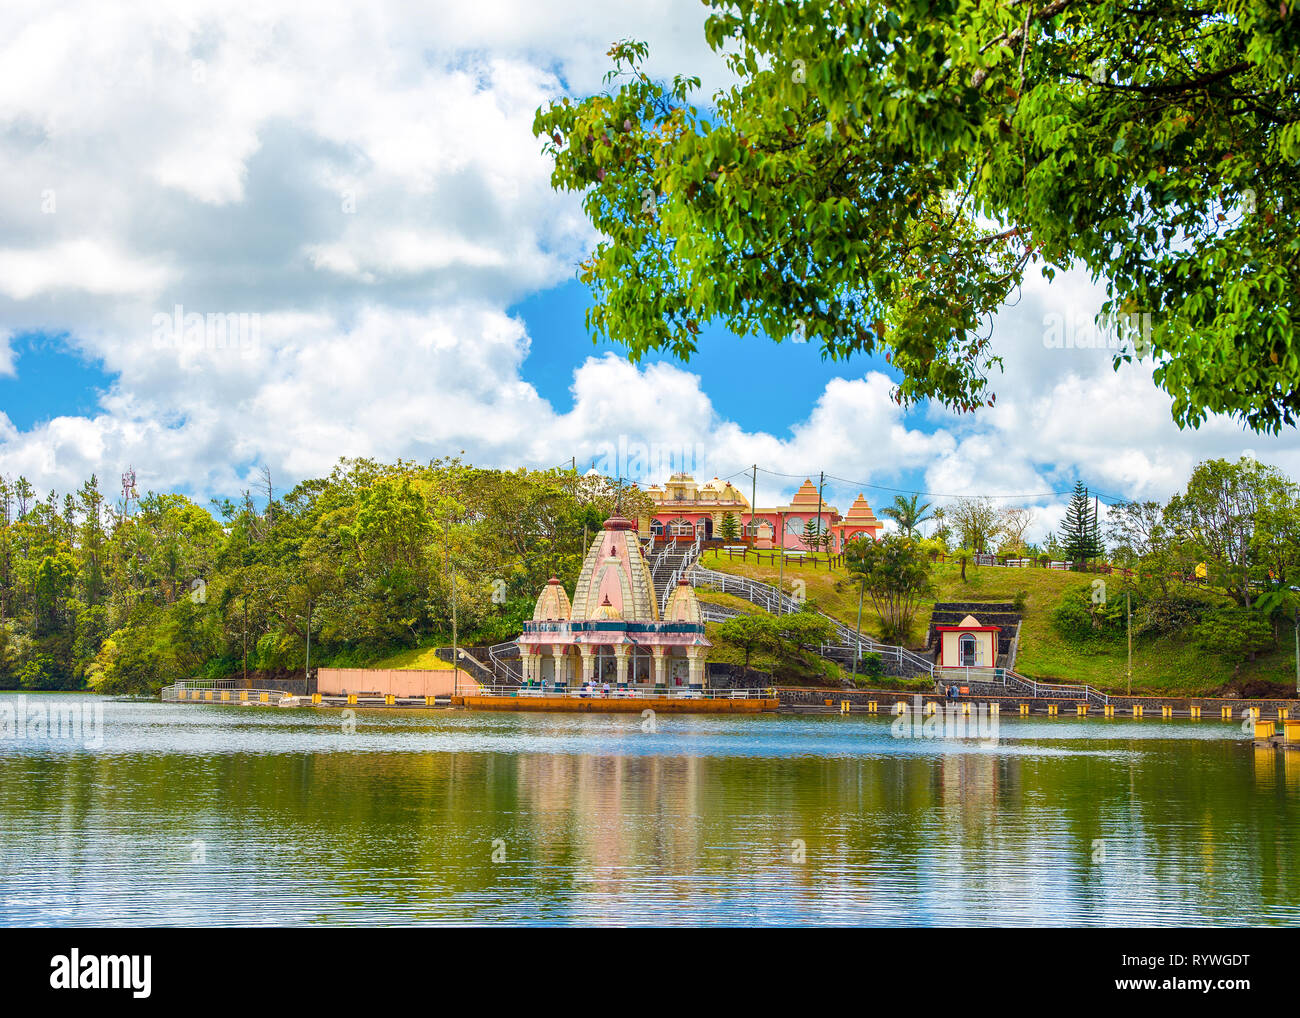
686, 509
612, 630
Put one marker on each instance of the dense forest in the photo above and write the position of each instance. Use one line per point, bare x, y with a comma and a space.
128, 596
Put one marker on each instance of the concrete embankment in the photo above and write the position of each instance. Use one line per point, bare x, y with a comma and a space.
815, 700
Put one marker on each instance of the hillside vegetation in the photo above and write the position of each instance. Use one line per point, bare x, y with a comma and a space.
1165, 664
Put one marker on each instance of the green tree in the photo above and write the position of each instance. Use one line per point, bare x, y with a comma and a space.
1080, 534
730, 528
977, 522
896, 573
1235, 633
1219, 516
839, 191
749, 633
908, 513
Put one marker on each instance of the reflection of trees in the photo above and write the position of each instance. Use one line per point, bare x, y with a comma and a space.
1195, 828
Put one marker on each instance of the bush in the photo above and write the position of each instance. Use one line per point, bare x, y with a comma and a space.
871, 666
1169, 614
1235, 633
1078, 617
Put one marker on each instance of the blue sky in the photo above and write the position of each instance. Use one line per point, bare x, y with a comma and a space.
364, 187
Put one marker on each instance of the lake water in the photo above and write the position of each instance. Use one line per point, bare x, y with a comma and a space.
192, 815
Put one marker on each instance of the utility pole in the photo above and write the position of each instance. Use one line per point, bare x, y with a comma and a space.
857, 641
821, 483
1128, 607
245, 639
455, 657
1096, 527
753, 504
780, 576
306, 668
1297, 650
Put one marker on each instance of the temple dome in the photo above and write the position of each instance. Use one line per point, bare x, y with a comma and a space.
615, 569
552, 603
683, 605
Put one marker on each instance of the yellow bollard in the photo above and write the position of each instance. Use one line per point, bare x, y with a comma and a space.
1052, 709
1291, 731
844, 706
315, 698
264, 697
1282, 713
1195, 712
930, 708
900, 707
1166, 711
1250, 712
995, 708
429, 701
1081, 710
1225, 713
352, 699
872, 706
208, 695
965, 708
389, 699
225, 694
1024, 709
1109, 710
243, 696
1137, 710
1265, 729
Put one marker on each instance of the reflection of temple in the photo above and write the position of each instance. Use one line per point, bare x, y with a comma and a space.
611, 631
685, 510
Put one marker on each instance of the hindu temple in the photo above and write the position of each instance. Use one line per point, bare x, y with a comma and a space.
612, 629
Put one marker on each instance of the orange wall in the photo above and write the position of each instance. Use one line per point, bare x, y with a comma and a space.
397, 681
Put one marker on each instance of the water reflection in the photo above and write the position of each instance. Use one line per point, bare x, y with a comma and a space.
233, 815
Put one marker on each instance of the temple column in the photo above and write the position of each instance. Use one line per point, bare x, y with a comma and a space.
620, 663
695, 662
661, 666
586, 665
557, 653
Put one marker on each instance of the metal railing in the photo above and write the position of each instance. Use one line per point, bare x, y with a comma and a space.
689, 558
778, 602
506, 662
1030, 687
219, 691
578, 693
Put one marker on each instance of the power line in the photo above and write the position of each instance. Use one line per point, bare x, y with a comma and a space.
932, 494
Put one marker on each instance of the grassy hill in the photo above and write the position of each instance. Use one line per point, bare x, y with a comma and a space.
413, 658
1165, 665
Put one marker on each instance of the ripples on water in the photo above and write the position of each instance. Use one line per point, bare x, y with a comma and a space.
198, 815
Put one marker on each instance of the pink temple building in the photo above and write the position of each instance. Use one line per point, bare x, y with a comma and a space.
685, 510
612, 630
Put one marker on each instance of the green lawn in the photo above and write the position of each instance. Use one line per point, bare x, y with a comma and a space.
1164, 665
413, 658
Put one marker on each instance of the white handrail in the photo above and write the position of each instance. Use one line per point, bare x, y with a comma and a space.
778, 602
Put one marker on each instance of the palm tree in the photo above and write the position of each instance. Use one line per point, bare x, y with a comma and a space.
907, 513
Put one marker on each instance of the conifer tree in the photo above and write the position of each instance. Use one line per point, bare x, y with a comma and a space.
1080, 536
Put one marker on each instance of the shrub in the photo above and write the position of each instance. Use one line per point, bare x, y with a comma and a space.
871, 666
1236, 633
1169, 614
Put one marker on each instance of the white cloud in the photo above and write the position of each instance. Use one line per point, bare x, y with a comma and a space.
365, 180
